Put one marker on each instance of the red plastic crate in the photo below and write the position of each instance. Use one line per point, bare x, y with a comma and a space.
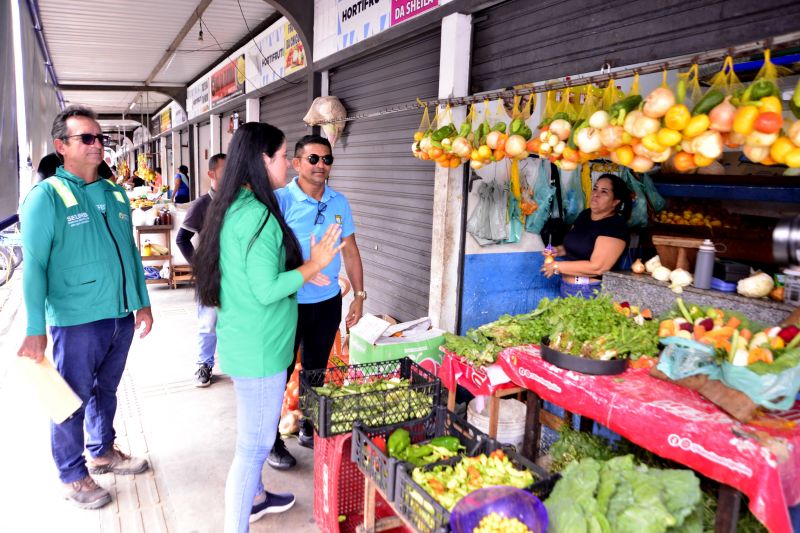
339, 487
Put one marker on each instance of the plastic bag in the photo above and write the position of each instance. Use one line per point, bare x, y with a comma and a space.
514, 215
638, 218
769, 70
549, 107
634, 85
682, 358
478, 222
565, 108
589, 101
572, 194
498, 212
538, 178
773, 391
657, 202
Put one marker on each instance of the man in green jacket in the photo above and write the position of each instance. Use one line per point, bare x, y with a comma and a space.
84, 278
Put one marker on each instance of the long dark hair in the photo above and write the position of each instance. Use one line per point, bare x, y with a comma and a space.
622, 193
245, 166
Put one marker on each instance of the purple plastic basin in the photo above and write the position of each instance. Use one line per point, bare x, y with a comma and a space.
505, 501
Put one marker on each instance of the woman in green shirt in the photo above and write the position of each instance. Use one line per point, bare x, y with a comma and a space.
250, 265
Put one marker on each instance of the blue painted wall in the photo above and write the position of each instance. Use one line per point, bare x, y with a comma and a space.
498, 284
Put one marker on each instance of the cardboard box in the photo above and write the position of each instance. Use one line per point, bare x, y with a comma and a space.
372, 340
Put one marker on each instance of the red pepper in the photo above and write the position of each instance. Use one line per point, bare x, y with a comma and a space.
380, 442
788, 333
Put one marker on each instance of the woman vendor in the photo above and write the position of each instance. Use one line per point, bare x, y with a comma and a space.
596, 241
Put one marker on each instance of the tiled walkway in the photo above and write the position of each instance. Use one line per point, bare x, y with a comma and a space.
187, 434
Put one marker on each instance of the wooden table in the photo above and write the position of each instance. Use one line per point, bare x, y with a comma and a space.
371, 525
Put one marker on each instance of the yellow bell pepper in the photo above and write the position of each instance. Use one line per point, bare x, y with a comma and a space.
651, 143
780, 148
771, 104
677, 117
697, 125
792, 159
744, 120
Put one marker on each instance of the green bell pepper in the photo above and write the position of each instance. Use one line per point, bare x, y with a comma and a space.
398, 442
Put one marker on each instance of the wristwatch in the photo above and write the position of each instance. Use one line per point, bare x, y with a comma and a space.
360, 294
555, 269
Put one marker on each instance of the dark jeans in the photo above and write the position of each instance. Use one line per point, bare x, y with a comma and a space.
316, 330
91, 358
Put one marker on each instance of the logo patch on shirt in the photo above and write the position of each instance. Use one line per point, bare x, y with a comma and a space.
123, 216
77, 219
339, 219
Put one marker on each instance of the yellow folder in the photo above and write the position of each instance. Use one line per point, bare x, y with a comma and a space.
54, 394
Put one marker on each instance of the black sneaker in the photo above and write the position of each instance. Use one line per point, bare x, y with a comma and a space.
280, 458
306, 436
273, 503
202, 378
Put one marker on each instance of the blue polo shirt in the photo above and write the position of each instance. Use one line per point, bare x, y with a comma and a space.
301, 212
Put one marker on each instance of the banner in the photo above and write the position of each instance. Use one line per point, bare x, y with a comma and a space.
178, 114
198, 99
360, 19
294, 55
265, 58
166, 119
228, 81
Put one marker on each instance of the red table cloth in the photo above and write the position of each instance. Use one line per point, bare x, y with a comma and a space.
760, 459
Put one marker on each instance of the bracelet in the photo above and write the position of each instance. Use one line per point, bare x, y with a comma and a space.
555, 269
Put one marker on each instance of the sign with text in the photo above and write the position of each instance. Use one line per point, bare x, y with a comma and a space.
265, 57
294, 55
361, 19
402, 10
198, 99
166, 119
228, 81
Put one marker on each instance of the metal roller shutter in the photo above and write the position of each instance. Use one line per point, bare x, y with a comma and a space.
522, 41
285, 110
390, 192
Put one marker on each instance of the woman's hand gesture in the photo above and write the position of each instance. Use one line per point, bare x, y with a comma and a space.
325, 250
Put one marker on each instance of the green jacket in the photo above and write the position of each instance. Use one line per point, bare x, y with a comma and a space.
257, 318
80, 265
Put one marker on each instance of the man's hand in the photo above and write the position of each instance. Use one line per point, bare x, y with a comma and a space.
355, 313
144, 316
33, 346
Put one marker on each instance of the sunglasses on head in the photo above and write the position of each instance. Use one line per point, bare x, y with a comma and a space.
89, 138
314, 159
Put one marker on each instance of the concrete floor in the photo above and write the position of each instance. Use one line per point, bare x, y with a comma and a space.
187, 433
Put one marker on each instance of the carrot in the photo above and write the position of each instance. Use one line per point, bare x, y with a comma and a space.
699, 332
720, 333
733, 322
722, 343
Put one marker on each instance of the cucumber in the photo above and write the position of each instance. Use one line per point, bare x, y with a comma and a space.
627, 104
708, 102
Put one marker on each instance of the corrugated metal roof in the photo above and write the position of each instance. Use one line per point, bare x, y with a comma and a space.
124, 40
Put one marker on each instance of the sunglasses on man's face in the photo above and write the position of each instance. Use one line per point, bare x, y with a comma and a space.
314, 159
89, 138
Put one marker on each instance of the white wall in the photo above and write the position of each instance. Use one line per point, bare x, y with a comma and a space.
325, 18
203, 153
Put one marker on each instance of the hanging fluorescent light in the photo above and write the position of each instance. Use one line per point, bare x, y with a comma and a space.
171, 59
200, 37
133, 104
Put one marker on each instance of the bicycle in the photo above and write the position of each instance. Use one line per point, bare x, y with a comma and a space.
10, 247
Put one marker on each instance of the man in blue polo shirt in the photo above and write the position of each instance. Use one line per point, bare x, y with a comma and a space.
309, 206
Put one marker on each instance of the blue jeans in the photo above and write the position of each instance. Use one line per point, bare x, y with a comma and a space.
91, 358
206, 334
258, 410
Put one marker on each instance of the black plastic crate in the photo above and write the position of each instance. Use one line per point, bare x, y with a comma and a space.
335, 415
426, 515
442, 423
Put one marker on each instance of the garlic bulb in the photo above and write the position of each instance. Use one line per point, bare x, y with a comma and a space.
680, 278
638, 267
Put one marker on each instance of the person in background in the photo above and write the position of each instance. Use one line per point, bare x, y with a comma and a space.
249, 265
50, 163
310, 207
180, 186
114, 173
596, 241
206, 316
158, 182
83, 276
